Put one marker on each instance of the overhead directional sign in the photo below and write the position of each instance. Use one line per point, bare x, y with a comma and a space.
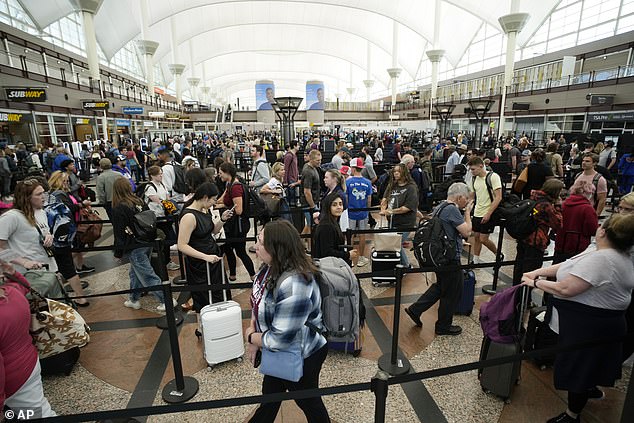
132, 110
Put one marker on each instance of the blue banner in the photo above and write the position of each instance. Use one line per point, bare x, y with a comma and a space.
264, 95
132, 110
122, 122
315, 96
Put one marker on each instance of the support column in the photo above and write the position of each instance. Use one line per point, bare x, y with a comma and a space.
177, 71
369, 83
511, 24
434, 57
394, 71
147, 49
88, 9
7, 51
193, 84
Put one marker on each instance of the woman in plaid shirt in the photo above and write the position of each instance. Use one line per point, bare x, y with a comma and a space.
285, 299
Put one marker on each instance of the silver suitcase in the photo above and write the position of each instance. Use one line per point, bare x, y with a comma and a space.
221, 325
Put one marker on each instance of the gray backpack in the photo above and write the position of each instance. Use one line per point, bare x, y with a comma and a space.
339, 299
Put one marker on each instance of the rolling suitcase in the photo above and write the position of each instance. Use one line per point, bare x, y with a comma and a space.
467, 299
221, 325
539, 335
500, 380
385, 256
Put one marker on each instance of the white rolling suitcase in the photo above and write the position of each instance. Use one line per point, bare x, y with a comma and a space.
221, 325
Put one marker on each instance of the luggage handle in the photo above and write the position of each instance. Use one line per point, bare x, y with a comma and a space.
525, 292
222, 267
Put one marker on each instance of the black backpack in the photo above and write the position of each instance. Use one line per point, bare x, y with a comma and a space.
179, 186
520, 218
144, 226
432, 245
253, 205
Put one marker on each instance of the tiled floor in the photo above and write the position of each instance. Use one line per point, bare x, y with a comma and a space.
127, 363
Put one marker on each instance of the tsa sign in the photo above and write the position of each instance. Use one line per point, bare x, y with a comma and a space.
132, 110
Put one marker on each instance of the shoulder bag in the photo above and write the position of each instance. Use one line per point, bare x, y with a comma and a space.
55, 327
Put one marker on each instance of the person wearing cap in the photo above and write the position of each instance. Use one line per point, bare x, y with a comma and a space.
525, 161
607, 157
104, 184
339, 158
359, 192
119, 167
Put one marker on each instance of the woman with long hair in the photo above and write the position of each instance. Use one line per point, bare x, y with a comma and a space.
399, 203
590, 298
24, 229
124, 206
275, 186
59, 186
285, 302
238, 225
196, 242
328, 237
530, 250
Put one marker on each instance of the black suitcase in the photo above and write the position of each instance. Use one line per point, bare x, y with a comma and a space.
60, 363
501, 380
467, 299
384, 261
539, 335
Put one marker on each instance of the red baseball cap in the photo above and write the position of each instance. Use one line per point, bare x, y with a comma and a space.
357, 162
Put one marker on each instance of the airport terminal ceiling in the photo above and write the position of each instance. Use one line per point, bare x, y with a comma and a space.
231, 44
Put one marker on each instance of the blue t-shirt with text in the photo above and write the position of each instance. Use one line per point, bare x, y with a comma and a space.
359, 189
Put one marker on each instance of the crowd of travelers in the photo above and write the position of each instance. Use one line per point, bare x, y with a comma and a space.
194, 187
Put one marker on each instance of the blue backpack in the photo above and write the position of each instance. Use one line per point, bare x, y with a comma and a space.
60, 222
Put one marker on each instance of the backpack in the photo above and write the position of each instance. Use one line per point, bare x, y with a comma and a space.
60, 221
340, 299
144, 226
500, 317
432, 245
141, 187
522, 216
253, 205
179, 186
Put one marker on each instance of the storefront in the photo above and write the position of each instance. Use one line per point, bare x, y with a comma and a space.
84, 128
15, 127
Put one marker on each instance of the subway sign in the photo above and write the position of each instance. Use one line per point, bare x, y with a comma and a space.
95, 105
11, 117
26, 94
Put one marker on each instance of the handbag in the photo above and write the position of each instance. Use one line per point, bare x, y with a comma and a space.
273, 202
387, 241
55, 327
88, 232
286, 364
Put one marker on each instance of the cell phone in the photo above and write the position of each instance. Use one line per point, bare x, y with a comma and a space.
231, 209
258, 359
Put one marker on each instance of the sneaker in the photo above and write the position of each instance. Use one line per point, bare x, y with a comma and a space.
252, 249
173, 266
132, 304
161, 307
564, 418
85, 269
362, 261
453, 331
596, 393
414, 317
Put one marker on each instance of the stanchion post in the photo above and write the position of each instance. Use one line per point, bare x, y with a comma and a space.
182, 388
492, 289
379, 386
395, 363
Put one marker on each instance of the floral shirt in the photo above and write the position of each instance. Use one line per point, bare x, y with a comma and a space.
548, 217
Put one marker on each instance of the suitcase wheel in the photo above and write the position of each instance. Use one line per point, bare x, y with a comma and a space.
543, 367
210, 367
239, 359
198, 334
356, 353
507, 400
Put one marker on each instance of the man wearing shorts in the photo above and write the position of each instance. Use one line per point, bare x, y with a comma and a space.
484, 206
359, 191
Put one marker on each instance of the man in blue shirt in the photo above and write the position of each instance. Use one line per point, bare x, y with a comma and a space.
359, 190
